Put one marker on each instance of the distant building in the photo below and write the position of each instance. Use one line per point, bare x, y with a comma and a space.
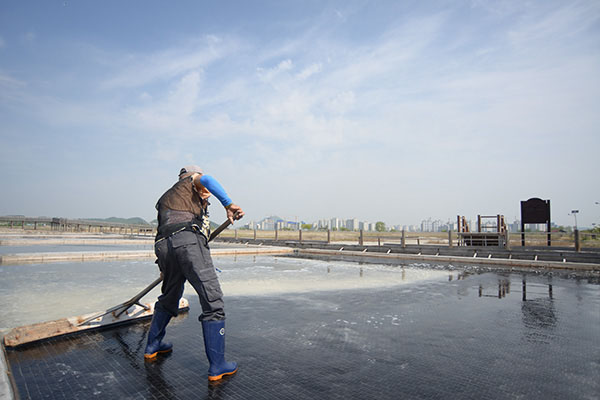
352, 224
325, 223
515, 226
268, 224
430, 225
410, 228
448, 226
426, 225
335, 223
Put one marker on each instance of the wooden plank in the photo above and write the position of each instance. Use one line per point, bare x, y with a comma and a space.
65, 326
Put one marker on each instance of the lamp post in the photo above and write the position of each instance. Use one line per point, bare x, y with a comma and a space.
574, 213
577, 245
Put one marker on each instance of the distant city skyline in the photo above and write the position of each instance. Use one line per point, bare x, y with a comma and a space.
425, 225
378, 110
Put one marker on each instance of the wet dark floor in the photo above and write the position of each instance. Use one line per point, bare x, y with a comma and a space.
480, 336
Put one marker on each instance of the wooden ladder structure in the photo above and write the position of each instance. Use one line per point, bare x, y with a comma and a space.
493, 234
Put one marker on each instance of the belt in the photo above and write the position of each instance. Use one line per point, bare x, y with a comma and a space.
172, 229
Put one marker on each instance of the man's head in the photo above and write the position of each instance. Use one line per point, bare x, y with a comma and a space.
189, 170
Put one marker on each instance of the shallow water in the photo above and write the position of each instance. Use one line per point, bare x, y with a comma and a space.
42, 292
275, 275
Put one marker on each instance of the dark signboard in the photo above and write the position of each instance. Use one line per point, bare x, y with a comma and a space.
535, 211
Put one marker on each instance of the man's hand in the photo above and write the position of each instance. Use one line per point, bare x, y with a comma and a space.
234, 212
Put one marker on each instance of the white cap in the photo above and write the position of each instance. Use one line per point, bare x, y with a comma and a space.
190, 169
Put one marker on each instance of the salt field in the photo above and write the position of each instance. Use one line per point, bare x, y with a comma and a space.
41, 292
317, 328
305, 329
52, 248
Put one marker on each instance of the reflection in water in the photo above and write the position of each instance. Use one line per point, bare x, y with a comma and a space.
157, 384
216, 389
460, 276
129, 353
503, 289
524, 288
539, 316
537, 307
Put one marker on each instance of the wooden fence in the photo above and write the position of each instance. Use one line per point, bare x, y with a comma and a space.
575, 239
74, 225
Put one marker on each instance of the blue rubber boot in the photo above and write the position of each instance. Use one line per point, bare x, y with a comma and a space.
155, 345
214, 344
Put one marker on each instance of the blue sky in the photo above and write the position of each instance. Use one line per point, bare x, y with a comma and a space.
377, 110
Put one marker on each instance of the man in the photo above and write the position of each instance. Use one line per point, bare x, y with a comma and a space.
181, 247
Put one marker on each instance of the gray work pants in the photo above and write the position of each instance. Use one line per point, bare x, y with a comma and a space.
186, 256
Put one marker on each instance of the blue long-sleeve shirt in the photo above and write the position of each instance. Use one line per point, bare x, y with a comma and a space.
214, 187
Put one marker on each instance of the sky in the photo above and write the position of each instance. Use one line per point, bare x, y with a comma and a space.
393, 111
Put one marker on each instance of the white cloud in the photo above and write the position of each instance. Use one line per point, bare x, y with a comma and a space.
138, 70
268, 74
342, 102
173, 112
307, 72
181, 101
